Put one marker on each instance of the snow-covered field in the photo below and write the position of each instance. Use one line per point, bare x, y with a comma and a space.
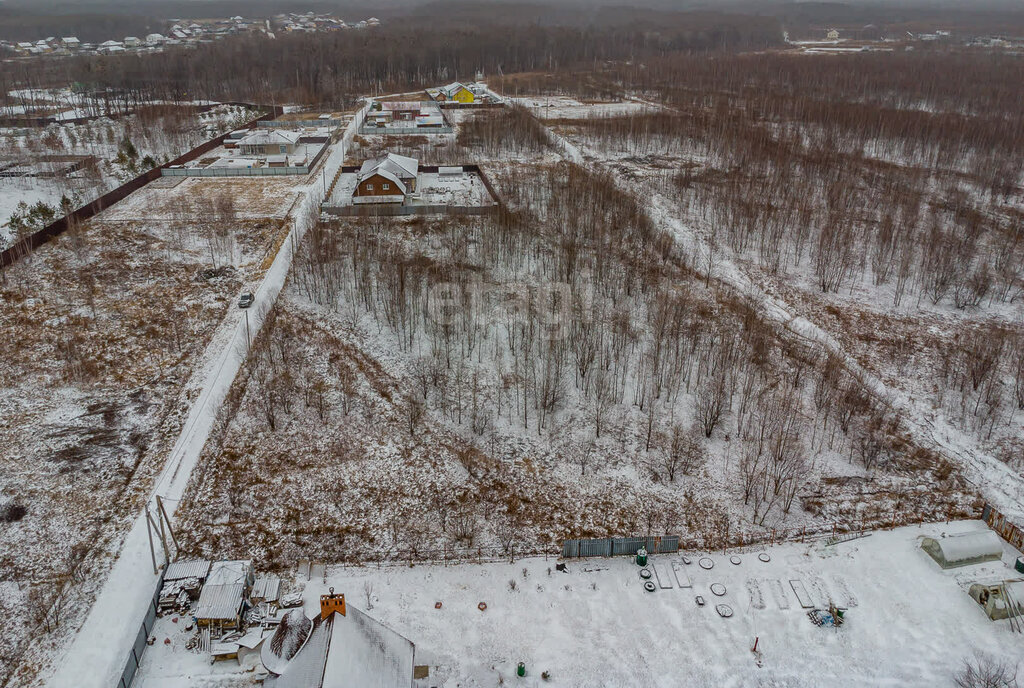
565, 107
909, 623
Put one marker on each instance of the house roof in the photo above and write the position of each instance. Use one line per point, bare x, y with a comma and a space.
452, 88
401, 105
350, 650
289, 639
275, 137
399, 166
219, 602
364, 652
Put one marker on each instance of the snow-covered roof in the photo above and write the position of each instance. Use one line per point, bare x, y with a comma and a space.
275, 137
231, 572
267, 587
252, 639
452, 88
187, 568
345, 651
219, 601
306, 670
366, 653
979, 545
399, 166
289, 638
400, 105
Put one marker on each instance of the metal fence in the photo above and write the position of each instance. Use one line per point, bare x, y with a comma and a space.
303, 123
610, 547
131, 664
393, 209
233, 171
402, 131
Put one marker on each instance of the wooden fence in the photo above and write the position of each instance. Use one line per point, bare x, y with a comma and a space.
1006, 528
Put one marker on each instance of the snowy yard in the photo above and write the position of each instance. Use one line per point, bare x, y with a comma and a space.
909, 623
253, 197
564, 107
463, 189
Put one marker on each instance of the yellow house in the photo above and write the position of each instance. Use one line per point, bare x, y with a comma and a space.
456, 93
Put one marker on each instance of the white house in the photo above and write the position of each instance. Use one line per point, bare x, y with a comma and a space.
155, 39
71, 42
132, 42
832, 35
269, 142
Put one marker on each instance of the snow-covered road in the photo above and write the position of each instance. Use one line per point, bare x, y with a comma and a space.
98, 651
997, 482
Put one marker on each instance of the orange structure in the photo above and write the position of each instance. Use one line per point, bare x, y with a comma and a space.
331, 603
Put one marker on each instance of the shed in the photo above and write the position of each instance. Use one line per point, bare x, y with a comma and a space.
997, 597
187, 568
220, 606
231, 572
267, 588
963, 550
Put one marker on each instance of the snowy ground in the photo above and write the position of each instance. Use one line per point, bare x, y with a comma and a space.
909, 622
254, 197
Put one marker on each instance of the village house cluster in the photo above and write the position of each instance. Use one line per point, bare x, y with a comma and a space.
310, 22
186, 33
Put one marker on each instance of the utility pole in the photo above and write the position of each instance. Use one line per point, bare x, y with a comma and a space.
248, 339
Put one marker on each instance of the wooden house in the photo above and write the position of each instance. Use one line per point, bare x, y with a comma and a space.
386, 180
455, 93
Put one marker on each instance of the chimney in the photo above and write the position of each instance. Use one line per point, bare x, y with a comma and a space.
331, 603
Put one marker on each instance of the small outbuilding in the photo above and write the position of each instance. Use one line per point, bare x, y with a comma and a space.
999, 598
963, 550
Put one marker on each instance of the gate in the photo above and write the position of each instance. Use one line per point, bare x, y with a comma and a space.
611, 547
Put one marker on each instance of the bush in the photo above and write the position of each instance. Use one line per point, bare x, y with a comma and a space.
983, 671
11, 513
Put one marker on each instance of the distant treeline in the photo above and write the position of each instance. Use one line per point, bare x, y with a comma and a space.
333, 68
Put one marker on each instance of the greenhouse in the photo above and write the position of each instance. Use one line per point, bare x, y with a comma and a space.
963, 550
